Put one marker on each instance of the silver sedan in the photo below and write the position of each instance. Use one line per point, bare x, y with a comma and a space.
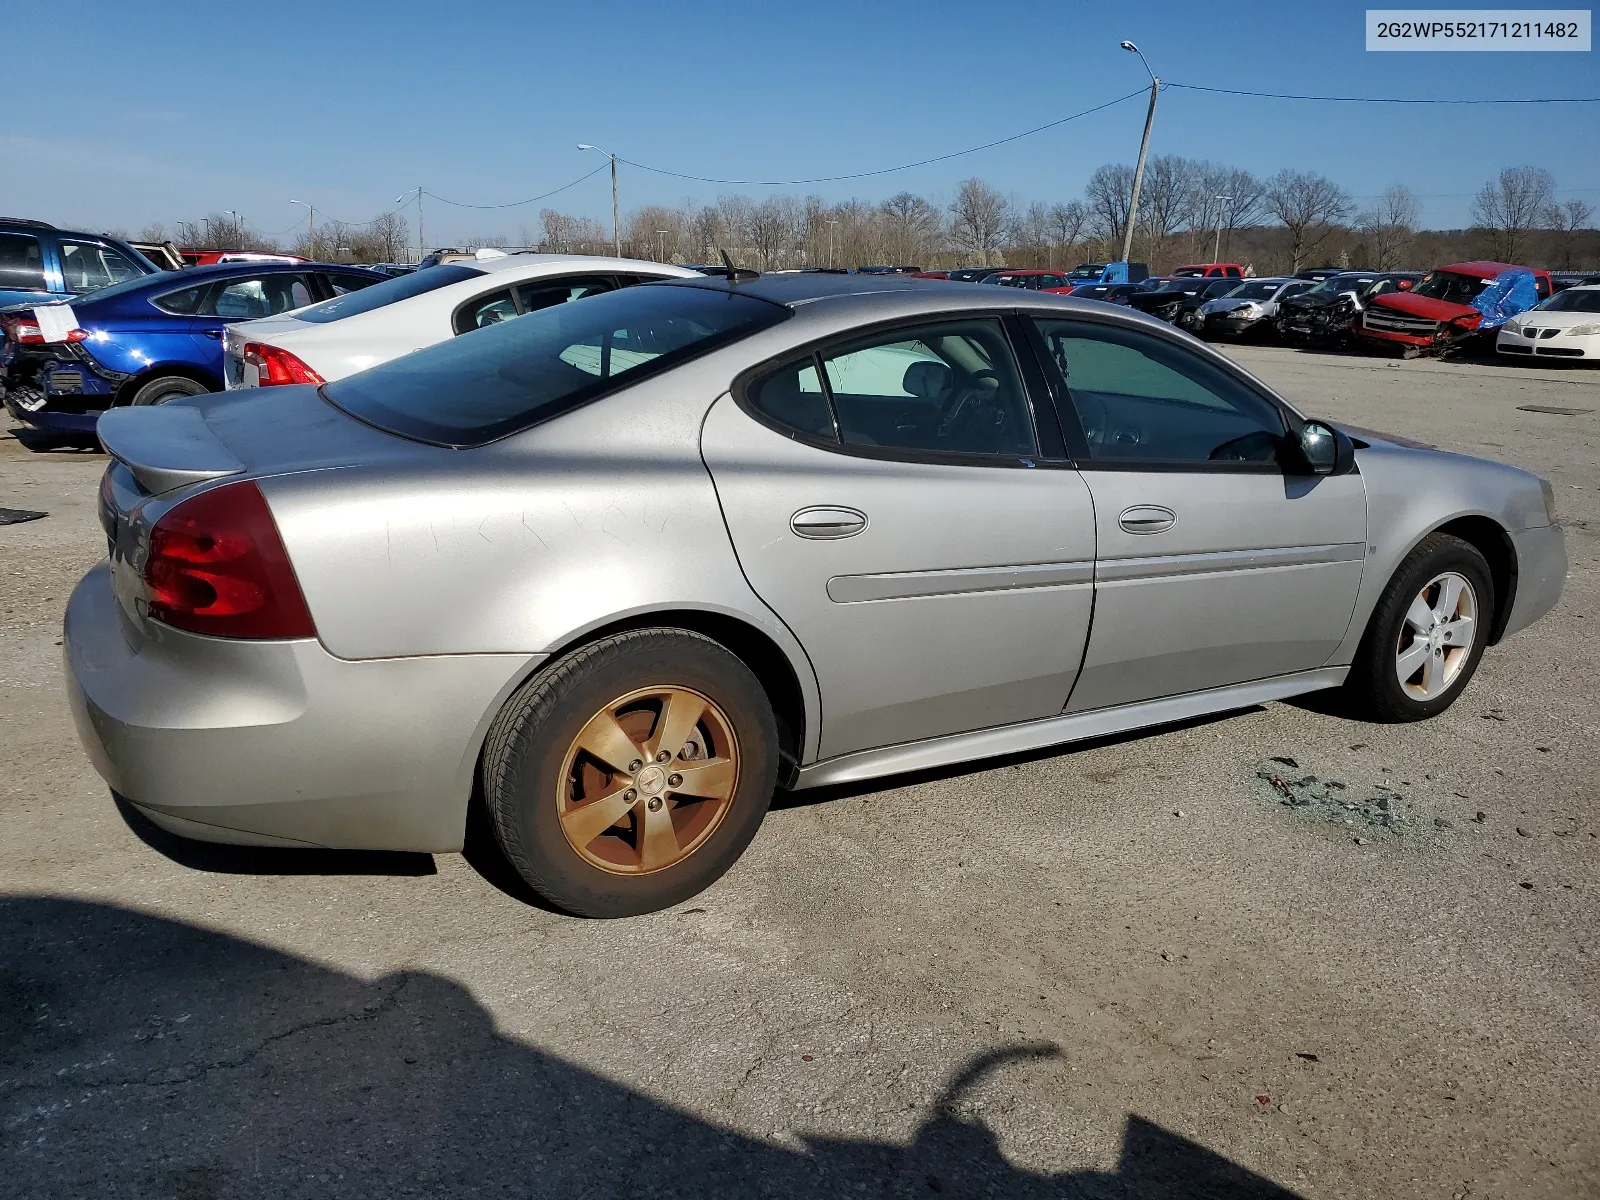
620, 568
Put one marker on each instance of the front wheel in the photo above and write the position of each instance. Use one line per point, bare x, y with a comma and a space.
1427, 632
632, 775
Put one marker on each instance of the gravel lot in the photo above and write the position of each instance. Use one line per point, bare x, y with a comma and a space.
1124, 970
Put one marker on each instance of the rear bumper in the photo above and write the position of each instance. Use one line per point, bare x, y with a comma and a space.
49, 420
279, 743
1541, 572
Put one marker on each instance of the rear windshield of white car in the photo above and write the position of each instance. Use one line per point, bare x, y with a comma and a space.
508, 376
387, 292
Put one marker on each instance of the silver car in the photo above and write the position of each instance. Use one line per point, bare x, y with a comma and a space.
1250, 306
622, 567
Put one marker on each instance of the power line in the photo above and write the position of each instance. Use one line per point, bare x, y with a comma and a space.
883, 170
520, 203
1195, 87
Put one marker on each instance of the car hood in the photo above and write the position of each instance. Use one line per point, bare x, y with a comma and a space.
1545, 319
1227, 306
1425, 306
1374, 436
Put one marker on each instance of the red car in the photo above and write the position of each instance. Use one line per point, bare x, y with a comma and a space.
1211, 271
207, 258
1438, 310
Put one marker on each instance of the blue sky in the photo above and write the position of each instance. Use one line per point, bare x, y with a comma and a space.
172, 110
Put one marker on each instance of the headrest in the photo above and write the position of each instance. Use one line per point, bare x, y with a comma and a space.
927, 379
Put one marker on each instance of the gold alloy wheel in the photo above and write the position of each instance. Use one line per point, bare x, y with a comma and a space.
647, 780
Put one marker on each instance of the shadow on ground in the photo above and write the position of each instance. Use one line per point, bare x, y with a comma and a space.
145, 1057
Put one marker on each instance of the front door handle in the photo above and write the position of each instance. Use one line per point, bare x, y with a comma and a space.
823, 524
1147, 518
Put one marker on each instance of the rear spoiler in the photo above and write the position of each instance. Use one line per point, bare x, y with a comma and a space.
166, 446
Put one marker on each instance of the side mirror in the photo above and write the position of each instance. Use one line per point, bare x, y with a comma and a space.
1319, 448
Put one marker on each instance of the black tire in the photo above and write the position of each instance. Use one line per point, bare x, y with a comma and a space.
527, 747
167, 387
1374, 686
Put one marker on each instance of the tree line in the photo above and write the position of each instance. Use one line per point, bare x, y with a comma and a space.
1188, 210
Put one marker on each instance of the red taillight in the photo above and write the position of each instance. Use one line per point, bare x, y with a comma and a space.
218, 566
24, 332
274, 365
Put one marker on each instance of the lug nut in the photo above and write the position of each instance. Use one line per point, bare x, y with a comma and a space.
674, 780
663, 756
635, 765
654, 804
630, 795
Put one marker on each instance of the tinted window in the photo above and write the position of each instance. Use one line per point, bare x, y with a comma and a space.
343, 285
543, 293
86, 267
185, 302
1142, 398
1573, 300
793, 397
387, 292
1255, 289
950, 388
21, 262
264, 296
494, 381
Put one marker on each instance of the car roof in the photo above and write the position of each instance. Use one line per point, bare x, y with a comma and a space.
226, 270
536, 264
1483, 267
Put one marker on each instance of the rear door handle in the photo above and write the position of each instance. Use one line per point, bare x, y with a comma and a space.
212, 333
827, 523
1147, 518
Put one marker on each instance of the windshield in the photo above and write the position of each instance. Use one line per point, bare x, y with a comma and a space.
1584, 300
496, 380
390, 290
1333, 285
1190, 272
1450, 287
1087, 271
1256, 289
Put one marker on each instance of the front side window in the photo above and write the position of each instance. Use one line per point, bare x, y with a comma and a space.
947, 388
1143, 399
506, 377
264, 296
544, 293
87, 267
21, 262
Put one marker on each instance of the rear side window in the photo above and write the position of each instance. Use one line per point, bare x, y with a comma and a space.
485, 311
543, 293
343, 285
495, 381
21, 262
387, 292
87, 267
184, 303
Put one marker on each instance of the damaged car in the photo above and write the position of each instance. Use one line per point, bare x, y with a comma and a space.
1249, 308
1178, 301
1324, 314
1451, 306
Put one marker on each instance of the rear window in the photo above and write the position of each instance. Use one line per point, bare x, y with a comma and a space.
494, 381
387, 292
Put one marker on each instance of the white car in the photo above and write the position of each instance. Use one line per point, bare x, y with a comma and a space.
357, 330
1565, 326
1250, 306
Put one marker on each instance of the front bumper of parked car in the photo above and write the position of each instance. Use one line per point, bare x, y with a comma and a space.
1534, 341
278, 742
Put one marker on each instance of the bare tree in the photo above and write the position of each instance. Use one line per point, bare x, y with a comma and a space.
1511, 206
1309, 206
153, 232
979, 216
1391, 226
389, 238
1109, 195
1564, 220
911, 225
1167, 197
1068, 222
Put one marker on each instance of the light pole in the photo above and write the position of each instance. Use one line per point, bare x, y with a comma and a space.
1216, 245
1144, 145
311, 227
206, 221
661, 244
831, 224
616, 228
401, 197
238, 225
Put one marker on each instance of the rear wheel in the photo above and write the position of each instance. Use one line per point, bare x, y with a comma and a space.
167, 387
1427, 632
632, 775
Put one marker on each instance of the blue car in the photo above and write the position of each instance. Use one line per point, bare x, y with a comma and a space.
40, 263
147, 340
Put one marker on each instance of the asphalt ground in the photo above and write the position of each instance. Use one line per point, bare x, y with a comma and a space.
1121, 970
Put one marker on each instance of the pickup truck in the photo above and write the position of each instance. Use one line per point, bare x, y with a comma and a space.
1438, 312
1210, 271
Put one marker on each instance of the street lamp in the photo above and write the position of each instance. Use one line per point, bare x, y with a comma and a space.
616, 229
311, 225
1217, 244
1144, 145
401, 197
238, 225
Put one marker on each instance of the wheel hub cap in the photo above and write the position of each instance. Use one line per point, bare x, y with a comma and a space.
1437, 636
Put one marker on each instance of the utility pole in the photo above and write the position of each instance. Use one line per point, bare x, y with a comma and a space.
421, 250
661, 243
1216, 245
616, 222
831, 224
1144, 146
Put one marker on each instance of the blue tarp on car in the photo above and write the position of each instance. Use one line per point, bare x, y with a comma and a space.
1512, 292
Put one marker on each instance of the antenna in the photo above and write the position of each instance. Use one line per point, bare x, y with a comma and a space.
735, 274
